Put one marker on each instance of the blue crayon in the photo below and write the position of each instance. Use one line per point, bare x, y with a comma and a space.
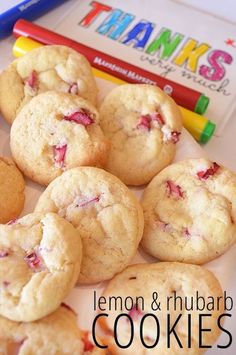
28, 10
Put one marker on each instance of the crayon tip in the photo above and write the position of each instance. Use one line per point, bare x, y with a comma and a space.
202, 104
208, 131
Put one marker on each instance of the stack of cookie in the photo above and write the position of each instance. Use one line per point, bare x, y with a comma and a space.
87, 224
50, 102
97, 222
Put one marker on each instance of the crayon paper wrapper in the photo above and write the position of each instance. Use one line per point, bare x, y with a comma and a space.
81, 297
198, 52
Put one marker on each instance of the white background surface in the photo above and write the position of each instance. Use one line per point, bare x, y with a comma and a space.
221, 149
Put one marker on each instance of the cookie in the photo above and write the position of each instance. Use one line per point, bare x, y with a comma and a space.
144, 125
55, 334
40, 257
12, 188
107, 214
55, 132
190, 212
134, 291
46, 68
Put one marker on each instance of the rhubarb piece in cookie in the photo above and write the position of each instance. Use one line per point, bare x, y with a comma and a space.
46, 68
144, 125
55, 132
107, 214
190, 212
12, 188
40, 257
89, 345
158, 300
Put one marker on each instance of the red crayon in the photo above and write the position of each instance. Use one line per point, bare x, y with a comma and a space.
184, 96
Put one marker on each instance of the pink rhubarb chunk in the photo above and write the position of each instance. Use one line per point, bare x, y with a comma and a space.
135, 313
6, 283
205, 174
73, 89
174, 190
33, 261
12, 222
4, 253
158, 117
87, 202
32, 79
175, 136
59, 152
145, 122
88, 345
80, 117
186, 233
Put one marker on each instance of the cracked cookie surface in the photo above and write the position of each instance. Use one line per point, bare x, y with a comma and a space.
190, 212
106, 213
144, 125
40, 258
12, 188
139, 282
55, 132
46, 68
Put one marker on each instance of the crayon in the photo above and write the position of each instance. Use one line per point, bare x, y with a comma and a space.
200, 127
27, 9
189, 98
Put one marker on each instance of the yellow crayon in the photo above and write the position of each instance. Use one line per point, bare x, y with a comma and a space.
199, 126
